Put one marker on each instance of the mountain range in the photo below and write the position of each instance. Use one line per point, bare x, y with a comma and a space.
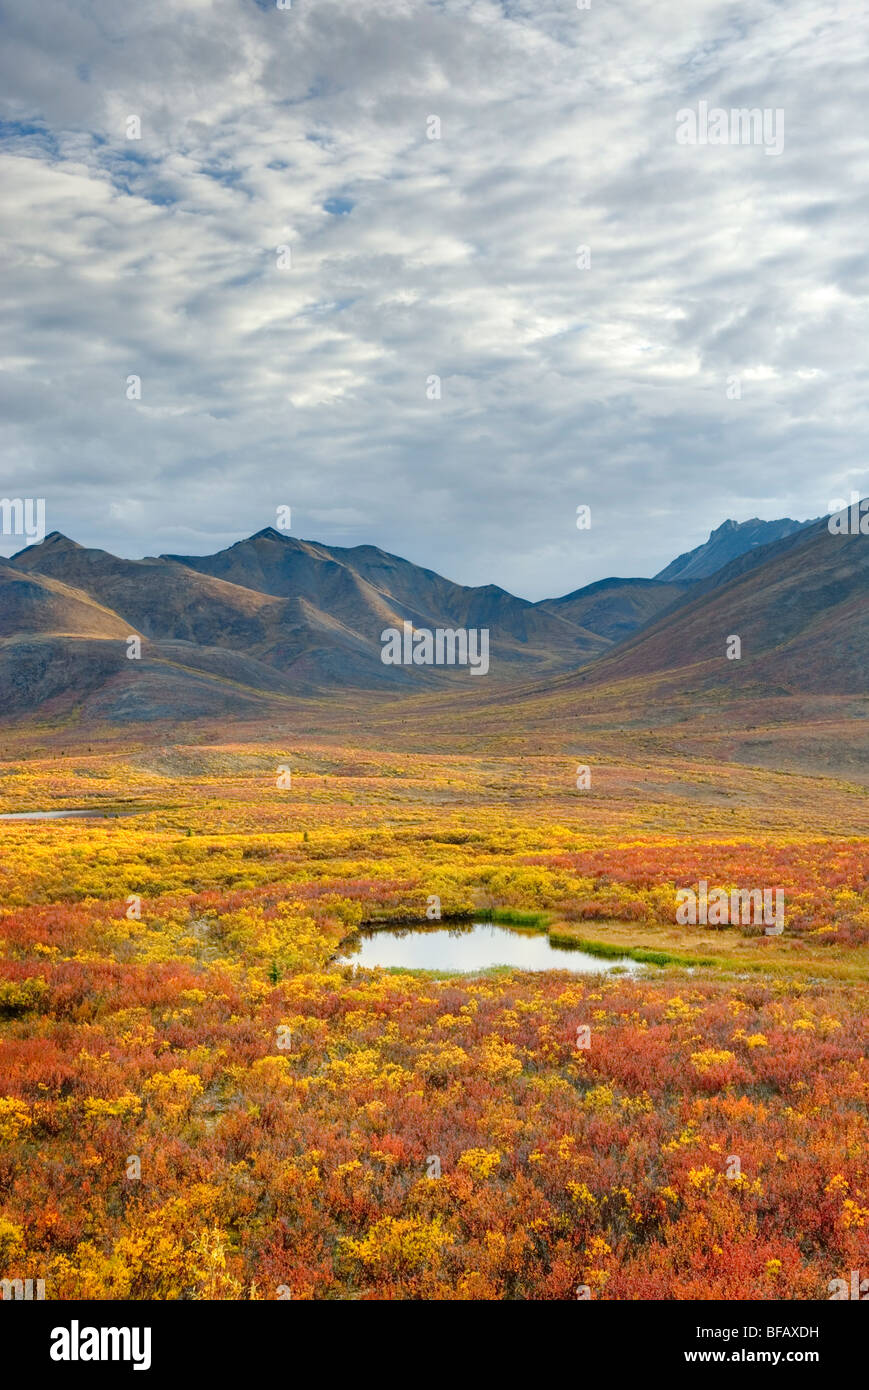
725, 543
273, 616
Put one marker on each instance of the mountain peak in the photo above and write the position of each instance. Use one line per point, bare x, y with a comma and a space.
268, 533
725, 543
301, 616
55, 540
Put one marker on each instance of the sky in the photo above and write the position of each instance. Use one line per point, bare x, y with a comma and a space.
339, 247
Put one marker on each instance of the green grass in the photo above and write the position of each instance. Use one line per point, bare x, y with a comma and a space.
514, 917
611, 950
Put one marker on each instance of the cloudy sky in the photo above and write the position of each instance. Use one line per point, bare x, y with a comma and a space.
709, 362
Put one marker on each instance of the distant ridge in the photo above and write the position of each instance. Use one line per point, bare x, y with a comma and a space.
272, 617
725, 543
615, 608
800, 607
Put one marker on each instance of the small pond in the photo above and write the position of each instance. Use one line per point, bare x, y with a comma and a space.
472, 947
59, 815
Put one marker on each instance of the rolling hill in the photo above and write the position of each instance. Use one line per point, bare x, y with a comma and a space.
267, 618
273, 618
799, 607
615, 608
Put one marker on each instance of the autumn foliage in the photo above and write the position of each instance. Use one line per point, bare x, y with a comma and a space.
168, 994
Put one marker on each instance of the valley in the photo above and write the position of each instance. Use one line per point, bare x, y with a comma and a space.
212, 1091
170, 991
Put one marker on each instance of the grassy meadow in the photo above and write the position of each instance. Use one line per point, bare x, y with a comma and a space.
198, 1102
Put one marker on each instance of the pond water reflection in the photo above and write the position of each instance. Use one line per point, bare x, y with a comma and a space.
470, 947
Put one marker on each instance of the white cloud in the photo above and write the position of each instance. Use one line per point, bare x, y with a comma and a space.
454, 257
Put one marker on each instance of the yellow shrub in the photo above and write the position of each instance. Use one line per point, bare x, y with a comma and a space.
480, 1163
500, 1058
599, 1098
173, 1092
396, 1245
705, 1061
14, 1119
126, 1106
20, 996
11, 1243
